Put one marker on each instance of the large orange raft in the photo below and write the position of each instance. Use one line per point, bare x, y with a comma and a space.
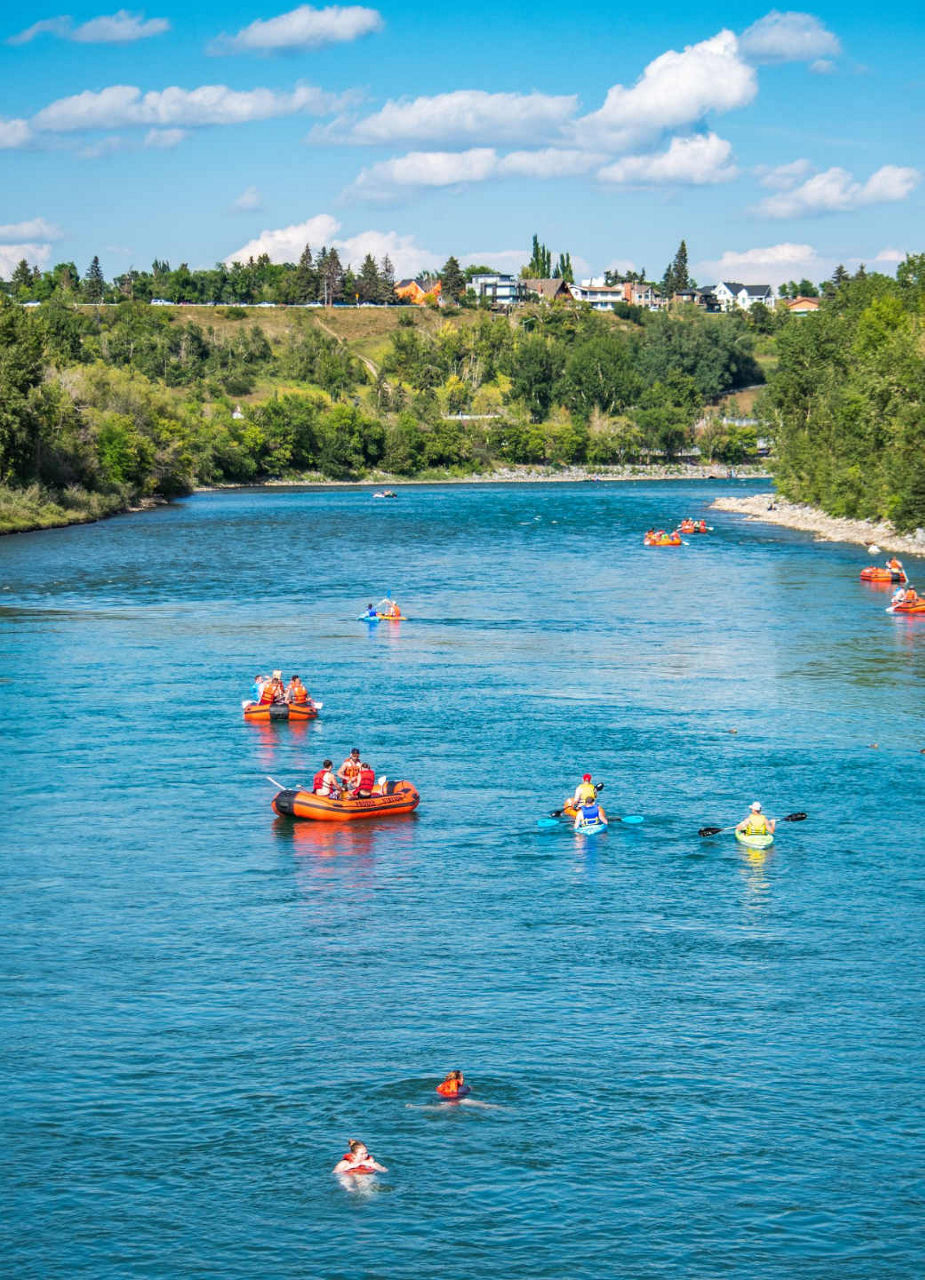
912, 606
398, 797
674, 540
280, 710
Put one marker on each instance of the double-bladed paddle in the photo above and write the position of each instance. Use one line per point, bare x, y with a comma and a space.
715, 831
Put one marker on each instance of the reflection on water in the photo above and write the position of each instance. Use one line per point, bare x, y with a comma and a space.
754, 865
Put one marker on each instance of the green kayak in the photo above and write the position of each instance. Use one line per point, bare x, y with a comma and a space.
755, 842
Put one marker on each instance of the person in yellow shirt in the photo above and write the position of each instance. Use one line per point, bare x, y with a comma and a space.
756, 823
585, 793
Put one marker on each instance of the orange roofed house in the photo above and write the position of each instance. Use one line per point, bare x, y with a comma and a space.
417, 291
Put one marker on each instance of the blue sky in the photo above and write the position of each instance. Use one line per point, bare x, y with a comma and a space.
777, 143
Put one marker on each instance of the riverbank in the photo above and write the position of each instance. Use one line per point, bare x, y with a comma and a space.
770, 509
34, 508
512, 475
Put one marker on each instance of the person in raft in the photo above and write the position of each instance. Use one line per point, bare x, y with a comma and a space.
350, 769
392, 609
590, 814
273, 689
585, 793
365, 781
259, 682
324, 782
358, 1160
454, 1086
296, 692
371, 611
895, 564
757, 824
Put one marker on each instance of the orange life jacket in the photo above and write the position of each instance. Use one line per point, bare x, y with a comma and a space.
350, 769
268, 692
298, 693
449, 1088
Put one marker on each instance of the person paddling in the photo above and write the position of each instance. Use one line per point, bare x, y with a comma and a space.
358, 1160
585, 793
756, 823
591, 815
371, 611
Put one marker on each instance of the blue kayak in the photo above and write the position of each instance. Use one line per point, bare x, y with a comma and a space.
590, 828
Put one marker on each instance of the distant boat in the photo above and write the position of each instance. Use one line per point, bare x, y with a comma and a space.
385, 493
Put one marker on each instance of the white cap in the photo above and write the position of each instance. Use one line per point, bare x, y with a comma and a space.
756, 806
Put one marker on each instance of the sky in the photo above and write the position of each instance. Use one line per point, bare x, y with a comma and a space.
777, 143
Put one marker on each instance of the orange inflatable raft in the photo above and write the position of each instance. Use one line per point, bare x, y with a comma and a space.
873, 573
913, 606
281, 710
674, 540
397, 797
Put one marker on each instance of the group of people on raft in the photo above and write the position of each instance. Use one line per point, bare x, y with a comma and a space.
905, 595
387, 608
355, 778
357, 1159
270, 689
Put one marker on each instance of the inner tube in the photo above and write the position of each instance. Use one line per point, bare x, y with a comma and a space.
280, 711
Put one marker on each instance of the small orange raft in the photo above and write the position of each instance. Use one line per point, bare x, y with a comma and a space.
397, 797
909, 606
662, 540
281, 710
693, 526
874, 573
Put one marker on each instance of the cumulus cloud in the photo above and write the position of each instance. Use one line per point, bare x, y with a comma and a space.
550, 162
122, 105
697, 161
788, 37
890, 257
301, 28
164, 139
783, 177
424, 169
33, 229
248, 200
286, 245
674, 90
823, 66
123, 27
14, 133
772, 264
35, 254
837, 191
465, 115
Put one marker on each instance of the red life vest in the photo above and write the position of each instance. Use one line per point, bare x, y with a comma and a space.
268, 692
318, 781
299, 694
366, 780
449, 1088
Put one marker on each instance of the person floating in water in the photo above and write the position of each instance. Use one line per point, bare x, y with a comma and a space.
453, 1087
756, 823
358, 1160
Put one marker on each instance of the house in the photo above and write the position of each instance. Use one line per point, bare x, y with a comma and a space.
417, 291
598, 295
730, 294
548, 290
799, 306
705, 298
499, 290
639, 294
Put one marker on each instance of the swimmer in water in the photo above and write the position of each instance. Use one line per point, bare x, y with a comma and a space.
358, 1160
454, 1086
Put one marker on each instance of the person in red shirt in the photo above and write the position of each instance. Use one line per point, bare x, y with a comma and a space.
366, 780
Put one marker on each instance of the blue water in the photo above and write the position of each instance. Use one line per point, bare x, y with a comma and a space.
703, 1063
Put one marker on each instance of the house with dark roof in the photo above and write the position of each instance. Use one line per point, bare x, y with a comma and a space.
548, 290
731, 294
418, 291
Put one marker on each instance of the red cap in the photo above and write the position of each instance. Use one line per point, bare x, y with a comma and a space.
586, 777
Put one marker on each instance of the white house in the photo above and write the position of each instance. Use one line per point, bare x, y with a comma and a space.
730, 294
597, 294
500, 290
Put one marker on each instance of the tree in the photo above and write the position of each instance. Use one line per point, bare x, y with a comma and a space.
452, 280
21, 279
368, 284
386, 280
536, 370
676, 275
563, 269
306, 277
840, 276
95, 284
540, 265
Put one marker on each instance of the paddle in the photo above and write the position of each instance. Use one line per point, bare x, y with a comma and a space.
282, 786
715, 831
631, 818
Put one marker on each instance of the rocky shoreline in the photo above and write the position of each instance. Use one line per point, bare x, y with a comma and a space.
770, 509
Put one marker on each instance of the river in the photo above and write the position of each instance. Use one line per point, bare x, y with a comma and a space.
700, 1062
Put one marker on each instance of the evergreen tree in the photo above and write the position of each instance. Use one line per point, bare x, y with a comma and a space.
306, 278
563, 269
94, 284
387, 280
840, 276
676, 276
332, 276
21, 277
540, 265
368, 283
452, 280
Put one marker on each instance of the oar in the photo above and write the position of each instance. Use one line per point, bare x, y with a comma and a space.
282, 786
715, 831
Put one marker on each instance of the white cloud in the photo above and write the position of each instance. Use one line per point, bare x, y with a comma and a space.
14, 133
211, 104
102, 147
424, 169
301, 28
465, 115
890, 257
123, 27
788, 37
286, 245
164, 139
10, 254
823, 67
772, 264
33, 229
697, 161
674, 90
248, 200
550, 162
783, 177
837, 191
